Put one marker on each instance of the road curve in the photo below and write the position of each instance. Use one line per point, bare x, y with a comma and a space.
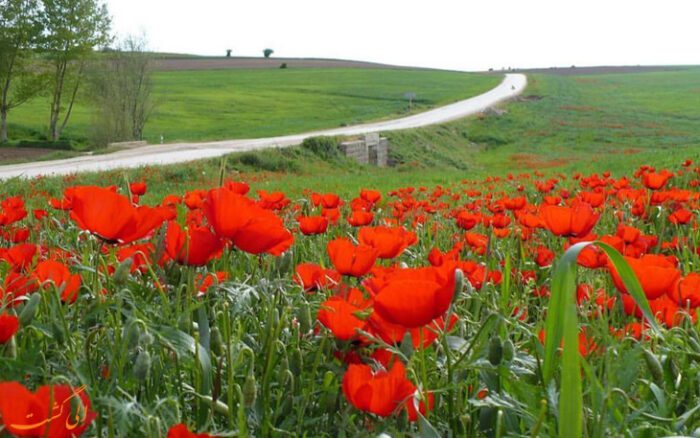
511, 86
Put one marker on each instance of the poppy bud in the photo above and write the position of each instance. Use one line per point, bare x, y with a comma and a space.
11, 351
407, 345
132, 334
250, 389
142, 366
495, 354
654, 366
121, 274
694, 344
146, 339
508, 350
217, 342
29, 310
304, 317
284, 263
459, 283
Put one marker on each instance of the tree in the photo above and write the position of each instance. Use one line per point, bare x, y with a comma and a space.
268, 52
19, 79
228, 53
121, 88
73, 29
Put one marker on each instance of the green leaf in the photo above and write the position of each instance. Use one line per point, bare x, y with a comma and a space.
184, 344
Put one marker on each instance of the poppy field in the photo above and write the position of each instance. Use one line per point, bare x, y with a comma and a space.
517, 305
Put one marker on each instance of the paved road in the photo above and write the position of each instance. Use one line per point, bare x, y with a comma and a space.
512, 85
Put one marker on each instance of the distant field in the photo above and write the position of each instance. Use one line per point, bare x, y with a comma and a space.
226, 104
588, 123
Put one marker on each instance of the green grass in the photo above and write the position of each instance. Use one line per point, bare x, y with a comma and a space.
225, 104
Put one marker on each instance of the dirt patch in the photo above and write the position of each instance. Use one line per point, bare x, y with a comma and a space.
11, 155
579, 108
530, 98
532, 161
175, 64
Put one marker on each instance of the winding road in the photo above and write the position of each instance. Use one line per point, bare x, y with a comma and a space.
511, 86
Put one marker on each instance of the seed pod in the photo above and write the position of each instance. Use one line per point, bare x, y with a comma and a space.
250, 389
655, 368
508, 350
142, 366
11, 350
30, 309
495, 354
217, 341
121, 274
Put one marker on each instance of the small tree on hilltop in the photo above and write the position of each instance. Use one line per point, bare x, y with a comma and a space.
228, 53
268, 52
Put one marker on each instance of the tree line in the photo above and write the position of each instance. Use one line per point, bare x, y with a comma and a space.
48, 48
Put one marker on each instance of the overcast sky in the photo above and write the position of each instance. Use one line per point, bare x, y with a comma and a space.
454, 34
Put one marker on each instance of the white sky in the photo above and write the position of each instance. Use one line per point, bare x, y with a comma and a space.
454, 34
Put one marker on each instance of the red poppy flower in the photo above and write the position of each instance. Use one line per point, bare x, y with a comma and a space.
655, 273
342, 316
196, 246
273, 200
57, 411
372, 196
349, 259
544, 256
359, 218
574, 221
138, 188
686, 292
680, 216
389, 242
382, 393
310, 225
111, 216
655, 181
9, 324
19, 257
181, 431
415, 297
327, 200
312, 277
251, 228
59, 274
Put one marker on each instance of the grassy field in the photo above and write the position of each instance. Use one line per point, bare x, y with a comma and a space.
226, 104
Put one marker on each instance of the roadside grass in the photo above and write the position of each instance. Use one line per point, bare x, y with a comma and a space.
227, 104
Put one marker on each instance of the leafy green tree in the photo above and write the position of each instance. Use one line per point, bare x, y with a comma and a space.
268, 52
19, 79
73, 29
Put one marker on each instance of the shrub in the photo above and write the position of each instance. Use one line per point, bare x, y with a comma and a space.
324, 147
